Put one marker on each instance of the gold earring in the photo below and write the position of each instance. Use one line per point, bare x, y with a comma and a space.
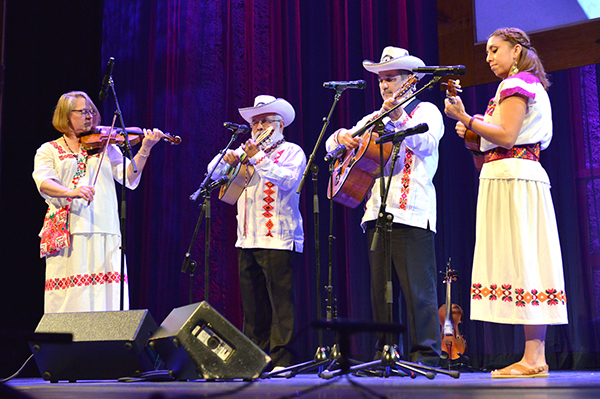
514, 70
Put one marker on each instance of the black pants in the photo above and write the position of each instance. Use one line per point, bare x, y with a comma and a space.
413, 261
266, 281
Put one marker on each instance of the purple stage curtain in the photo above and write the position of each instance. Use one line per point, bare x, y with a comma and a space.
186, 67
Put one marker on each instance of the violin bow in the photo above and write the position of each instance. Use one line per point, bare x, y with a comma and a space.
110, 132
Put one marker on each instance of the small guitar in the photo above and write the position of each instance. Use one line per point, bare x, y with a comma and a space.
237, 182
472, 139
453, 343
353, 176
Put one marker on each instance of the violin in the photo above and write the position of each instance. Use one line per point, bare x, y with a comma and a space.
97, 137
472, 139
450, 317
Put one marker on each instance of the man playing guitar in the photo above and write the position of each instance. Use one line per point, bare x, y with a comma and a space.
270, 234
411, 201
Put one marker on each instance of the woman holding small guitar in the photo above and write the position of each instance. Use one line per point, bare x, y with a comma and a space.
412, 203
517, 268
472, 139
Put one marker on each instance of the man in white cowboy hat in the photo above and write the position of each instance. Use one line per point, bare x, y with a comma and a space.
411, 201
269, 231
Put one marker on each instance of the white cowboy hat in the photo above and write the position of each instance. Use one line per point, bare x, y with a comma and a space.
393, 58
265, 104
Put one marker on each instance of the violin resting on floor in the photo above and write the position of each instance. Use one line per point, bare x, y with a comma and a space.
453, 343
97, 137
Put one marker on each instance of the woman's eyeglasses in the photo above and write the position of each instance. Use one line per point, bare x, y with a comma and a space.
86, 112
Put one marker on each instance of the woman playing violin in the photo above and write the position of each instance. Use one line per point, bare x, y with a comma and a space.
81, 236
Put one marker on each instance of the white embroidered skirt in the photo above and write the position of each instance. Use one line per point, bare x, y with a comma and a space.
517, 268
86, 277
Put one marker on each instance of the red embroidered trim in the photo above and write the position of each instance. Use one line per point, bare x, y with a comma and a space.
62, 154
491, 107
279, 154
527, 151
83, 280
405, 180
404, 190
268, 207
521, 298
260, 160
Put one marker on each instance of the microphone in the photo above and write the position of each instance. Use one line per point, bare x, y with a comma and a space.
343, 85
106, 81
234, 127
208, 189
217, 183
442, 70
339, 151
395, 136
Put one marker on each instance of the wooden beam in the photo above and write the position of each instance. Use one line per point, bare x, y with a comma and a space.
566, 47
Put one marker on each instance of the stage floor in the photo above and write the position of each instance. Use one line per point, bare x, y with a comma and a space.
560, 384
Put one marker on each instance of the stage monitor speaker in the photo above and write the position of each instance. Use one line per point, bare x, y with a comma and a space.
104, 345
196, 342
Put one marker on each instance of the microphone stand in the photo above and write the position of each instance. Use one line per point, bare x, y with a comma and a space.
205, 189
315, 174
326, 121
127, 153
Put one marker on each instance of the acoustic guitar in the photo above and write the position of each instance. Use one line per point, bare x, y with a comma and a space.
354, 174
472, 139
239, 175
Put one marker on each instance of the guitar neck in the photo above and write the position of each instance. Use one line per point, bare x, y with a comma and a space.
398, 96
264, 135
